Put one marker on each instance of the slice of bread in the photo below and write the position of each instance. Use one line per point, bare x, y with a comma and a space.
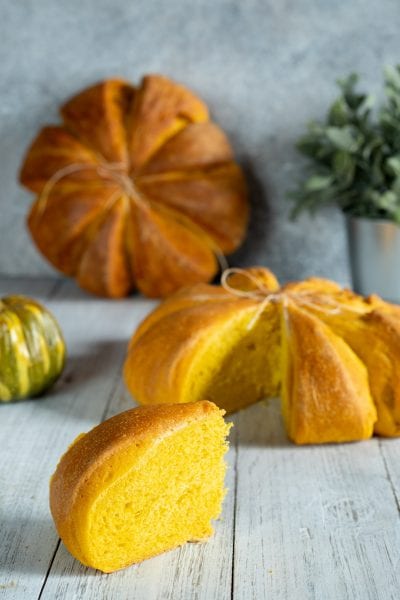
141, 483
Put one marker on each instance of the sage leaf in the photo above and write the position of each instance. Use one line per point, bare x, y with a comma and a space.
338, 114
317, 183
344, 166
343, 138
393, 165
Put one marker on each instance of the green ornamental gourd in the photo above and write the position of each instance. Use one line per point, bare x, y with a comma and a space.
32, 348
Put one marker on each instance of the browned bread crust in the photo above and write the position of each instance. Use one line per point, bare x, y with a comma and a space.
252, 339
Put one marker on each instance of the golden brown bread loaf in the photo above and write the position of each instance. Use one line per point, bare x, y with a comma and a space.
333, 356
142, 482
137, 188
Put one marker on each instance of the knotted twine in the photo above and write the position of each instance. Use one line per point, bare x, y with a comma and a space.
266, 297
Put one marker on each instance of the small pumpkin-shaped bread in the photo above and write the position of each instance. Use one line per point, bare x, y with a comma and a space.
32, 348
136, 189
332, 356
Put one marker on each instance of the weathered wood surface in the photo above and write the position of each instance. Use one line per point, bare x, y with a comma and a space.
298, 523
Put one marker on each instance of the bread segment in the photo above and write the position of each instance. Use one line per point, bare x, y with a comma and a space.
322, 401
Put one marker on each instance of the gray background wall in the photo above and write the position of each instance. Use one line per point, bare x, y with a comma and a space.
265, 68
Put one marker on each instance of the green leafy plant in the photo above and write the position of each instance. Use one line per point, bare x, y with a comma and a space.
355, 154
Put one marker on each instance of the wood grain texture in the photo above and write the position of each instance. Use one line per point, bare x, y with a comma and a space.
312, 522
319, 522
198, 571
35, 433
27, 538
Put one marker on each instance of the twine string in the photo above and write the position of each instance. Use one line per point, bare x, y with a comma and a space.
111, 170
265, 297
115, 172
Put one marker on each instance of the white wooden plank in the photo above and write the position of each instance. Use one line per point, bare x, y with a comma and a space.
35, 433
22, 526
390, 450
194, 571
311, 522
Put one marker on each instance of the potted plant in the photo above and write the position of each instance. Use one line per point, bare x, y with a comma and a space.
355, 156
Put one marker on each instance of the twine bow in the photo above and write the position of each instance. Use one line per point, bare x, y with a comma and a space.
265, 296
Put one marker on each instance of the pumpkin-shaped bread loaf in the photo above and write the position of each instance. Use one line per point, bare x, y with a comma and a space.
137, 189
333, 356
142, 482
32, 348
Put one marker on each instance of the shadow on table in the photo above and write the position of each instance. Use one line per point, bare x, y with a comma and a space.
37, 546
28, 543
89, 380
260, 425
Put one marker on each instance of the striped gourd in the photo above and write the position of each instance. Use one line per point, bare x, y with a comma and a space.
32, 348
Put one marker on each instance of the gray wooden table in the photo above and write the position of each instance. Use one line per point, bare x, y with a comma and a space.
298, 523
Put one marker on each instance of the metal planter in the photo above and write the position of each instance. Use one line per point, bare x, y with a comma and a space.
374, 247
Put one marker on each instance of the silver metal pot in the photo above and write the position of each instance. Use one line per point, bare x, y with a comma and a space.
374, 247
